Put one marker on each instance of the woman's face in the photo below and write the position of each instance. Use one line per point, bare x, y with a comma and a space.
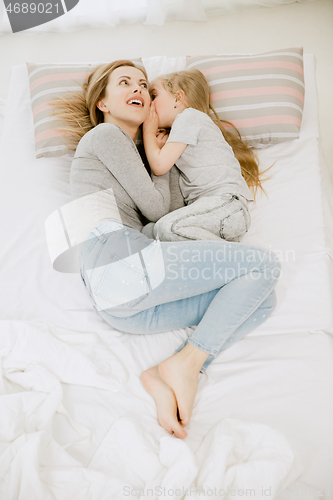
164, 104
126, 84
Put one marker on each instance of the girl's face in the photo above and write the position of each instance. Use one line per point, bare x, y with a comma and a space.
165, 103
127, 99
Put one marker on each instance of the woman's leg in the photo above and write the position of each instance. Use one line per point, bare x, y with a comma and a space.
209, 218
189, 312
180, 371
203, 282
259, 316
233, 280
166, 402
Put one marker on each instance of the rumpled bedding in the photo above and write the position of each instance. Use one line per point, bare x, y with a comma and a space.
75, 420
39, 361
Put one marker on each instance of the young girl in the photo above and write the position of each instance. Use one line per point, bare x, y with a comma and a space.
211, 180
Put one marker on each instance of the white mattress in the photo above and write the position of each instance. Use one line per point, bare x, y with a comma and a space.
264, 410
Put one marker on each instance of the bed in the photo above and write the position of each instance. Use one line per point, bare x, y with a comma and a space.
76, 422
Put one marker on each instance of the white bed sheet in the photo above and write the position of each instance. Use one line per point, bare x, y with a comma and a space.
58, 362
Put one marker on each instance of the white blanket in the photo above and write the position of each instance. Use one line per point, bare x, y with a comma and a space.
75, 420
36, 430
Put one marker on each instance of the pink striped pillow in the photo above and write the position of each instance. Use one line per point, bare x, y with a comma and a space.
262, 94
48, 81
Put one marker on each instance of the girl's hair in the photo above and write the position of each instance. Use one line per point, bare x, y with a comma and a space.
196, 89
78, 111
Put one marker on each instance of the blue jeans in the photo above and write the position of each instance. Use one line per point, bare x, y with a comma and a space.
139, 285
224, 216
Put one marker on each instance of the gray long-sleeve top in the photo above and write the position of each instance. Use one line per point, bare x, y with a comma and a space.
106, 157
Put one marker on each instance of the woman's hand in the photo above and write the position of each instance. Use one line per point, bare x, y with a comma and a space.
162, 136
150, 125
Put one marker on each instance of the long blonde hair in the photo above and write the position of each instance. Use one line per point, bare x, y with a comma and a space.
77, 112
197, 95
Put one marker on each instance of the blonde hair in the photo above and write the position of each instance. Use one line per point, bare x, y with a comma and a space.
197, 95
77, 112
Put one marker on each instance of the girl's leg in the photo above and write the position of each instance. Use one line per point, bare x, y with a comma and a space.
208, 218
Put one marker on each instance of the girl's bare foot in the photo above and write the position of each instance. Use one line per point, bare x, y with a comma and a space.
180, 372
165, 401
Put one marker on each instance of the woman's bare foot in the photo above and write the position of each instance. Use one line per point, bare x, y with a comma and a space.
165, 401
180, 372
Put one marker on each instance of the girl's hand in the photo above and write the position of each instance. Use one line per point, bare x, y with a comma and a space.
151, 122
161, 136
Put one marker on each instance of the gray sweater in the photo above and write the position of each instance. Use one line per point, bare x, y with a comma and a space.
106, 157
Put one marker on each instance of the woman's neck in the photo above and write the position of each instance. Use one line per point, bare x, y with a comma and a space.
131, 129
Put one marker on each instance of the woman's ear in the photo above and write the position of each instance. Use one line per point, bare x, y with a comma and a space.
102, 106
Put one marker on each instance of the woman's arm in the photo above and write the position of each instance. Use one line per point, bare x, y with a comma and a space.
119, 154
160, 160
176, 197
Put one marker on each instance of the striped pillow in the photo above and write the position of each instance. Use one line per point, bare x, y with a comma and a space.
262, 94
48, 81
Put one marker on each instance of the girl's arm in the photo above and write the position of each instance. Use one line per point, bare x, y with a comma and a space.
160, 160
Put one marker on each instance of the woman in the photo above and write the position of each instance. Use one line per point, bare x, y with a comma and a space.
139, 285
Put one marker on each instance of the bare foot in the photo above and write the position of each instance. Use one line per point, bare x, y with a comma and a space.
183, 381
165, 401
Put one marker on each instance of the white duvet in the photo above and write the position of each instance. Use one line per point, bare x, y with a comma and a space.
75, 420
36, 430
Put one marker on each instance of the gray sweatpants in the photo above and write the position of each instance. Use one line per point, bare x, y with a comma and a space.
209, 218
